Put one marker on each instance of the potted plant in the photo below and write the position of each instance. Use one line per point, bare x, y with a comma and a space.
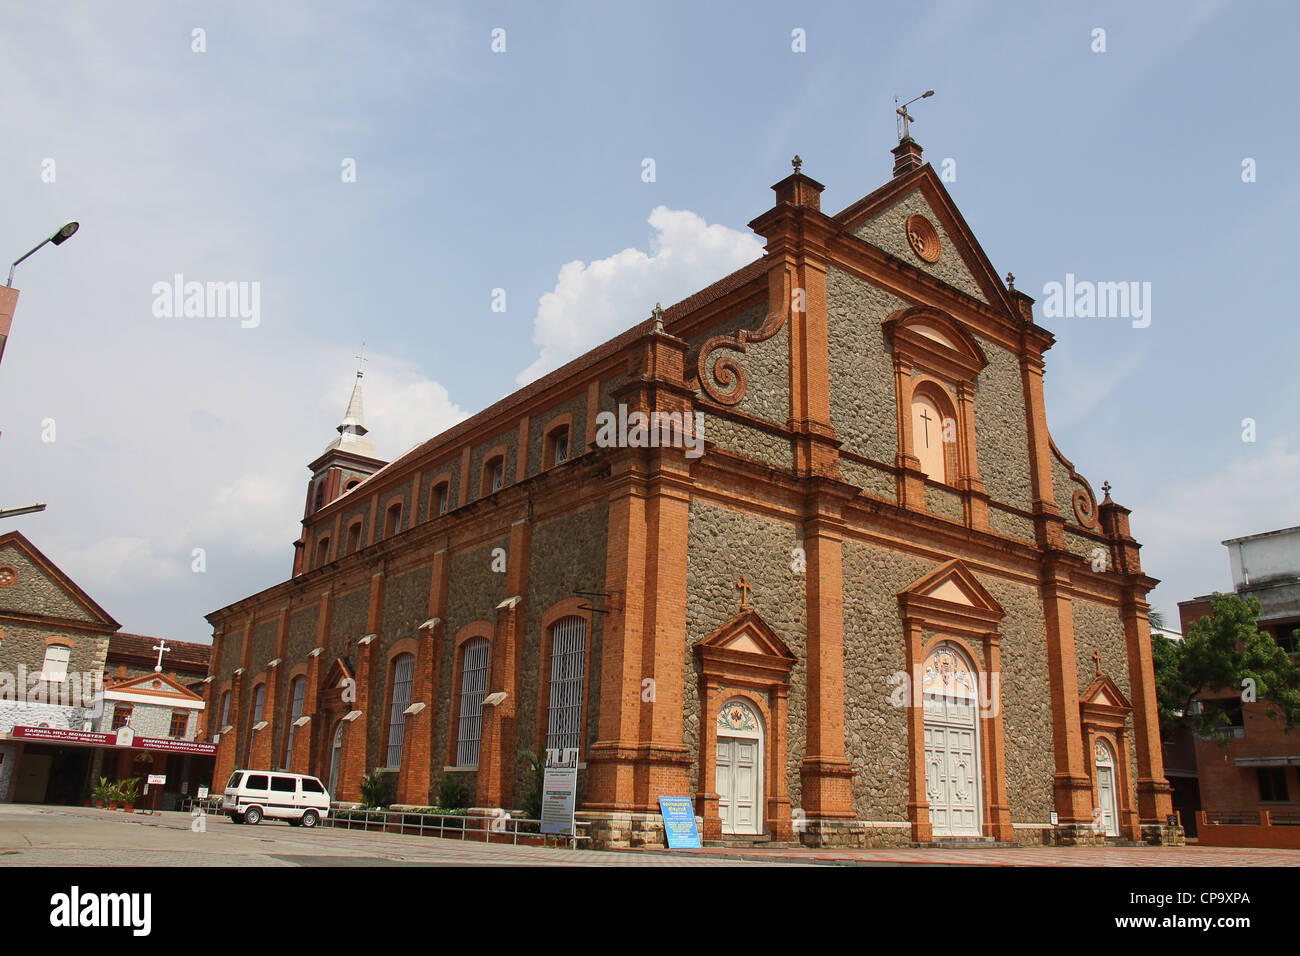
114, 796
129, 790
102, 792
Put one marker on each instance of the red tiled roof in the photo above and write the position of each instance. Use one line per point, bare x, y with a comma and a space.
180, 655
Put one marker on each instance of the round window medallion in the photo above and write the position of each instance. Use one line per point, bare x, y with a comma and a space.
923, 238
7, 576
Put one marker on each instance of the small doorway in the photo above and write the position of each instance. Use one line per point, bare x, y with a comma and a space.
336, 758
1107, 801
739, 769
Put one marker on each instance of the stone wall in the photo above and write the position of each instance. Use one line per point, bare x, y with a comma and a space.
1011, 524
944, 502
722, 545
1025, 692
565, 555
873, 480
8, 760
754, 443
861, 368
875, 728
22, 658
34, 592
887, 231
1001, 431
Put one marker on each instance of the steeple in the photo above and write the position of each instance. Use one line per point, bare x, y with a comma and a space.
352, 430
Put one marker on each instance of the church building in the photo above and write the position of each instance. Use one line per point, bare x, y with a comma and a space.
800, 548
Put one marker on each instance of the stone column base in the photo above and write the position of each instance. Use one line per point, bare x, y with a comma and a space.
1072, 835
621, 831
853, 833
1161, 834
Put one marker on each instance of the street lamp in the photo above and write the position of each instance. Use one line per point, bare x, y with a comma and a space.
59, 238
24, 510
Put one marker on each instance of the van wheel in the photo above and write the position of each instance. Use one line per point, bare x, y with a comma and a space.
253, 815
310, 818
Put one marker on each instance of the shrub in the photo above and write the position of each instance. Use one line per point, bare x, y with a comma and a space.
377, 791
452, 794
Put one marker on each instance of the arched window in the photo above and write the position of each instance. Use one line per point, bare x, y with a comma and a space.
55, 667
336, 758
441, 498
259, 698
352, 484
354, 538
556, 447
473, 688
322, 551
297, 692
568, 662
225, 712
403, 673
935, 439
393, 519
319, 501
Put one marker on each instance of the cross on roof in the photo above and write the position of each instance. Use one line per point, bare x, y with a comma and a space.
796, 163
744, 587
361, 360
162, 648
1096, 660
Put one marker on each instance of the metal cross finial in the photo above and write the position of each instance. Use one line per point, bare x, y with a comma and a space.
658, 313
361, 360
161, 647
744, 587
905, 118
1096, 660
1105, 487
796, 162
1011, 282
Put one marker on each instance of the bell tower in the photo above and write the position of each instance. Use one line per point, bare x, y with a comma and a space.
346, 462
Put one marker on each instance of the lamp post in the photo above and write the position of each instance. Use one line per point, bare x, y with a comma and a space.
24, 510
59, 238
9, 296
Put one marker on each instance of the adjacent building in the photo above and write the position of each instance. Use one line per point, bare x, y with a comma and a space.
800, 547
1253, 764
80, 701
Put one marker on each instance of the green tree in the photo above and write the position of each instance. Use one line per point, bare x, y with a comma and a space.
1224, 651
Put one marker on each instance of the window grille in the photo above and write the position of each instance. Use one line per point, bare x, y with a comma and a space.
403, 672
473, 688
295, 711
568, 655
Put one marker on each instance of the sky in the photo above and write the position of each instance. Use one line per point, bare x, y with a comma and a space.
379, 174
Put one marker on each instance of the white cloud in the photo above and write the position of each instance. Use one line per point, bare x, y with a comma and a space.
1182, 526
594, 302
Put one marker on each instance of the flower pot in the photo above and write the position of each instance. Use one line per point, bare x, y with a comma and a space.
112, 804
129, 808
99, 803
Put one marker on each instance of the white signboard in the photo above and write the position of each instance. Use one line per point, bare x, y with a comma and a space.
203, 793
157, 778
559, 790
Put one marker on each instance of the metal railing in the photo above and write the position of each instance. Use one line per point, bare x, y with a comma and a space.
452, 826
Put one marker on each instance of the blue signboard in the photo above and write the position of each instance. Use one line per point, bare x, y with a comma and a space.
679, 823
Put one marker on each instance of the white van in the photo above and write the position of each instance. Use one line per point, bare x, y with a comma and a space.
251, 795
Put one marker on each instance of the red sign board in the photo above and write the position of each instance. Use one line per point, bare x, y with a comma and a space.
165, 744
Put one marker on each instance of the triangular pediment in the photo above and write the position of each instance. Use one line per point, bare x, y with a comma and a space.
747, 633
338, 674
953, 584
164, 688
64, 601
880, 218
1105, 692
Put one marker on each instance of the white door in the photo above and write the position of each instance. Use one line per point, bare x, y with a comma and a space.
739, 768
1106, 791
738, 763
952, 768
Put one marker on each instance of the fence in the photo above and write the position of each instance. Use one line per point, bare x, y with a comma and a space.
453, 826
1249, 828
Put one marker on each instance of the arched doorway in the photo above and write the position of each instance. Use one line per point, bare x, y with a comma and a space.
1107, 801
336, 758
739, 768
952, 758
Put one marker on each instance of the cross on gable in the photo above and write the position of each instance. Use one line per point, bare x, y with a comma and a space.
744, 587
1096, 660
162, 648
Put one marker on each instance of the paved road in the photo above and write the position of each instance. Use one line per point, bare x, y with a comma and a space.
67, 836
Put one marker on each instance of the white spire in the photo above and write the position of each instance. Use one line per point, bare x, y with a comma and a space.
352, 430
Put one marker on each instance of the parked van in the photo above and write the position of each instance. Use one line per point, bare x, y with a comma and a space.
251, 795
